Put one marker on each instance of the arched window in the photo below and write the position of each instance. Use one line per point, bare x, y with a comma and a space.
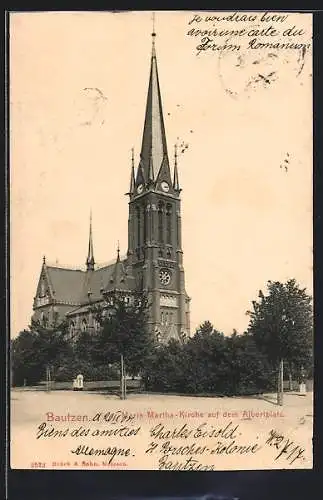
43, 319
169, 223
162, 318
160, 221
84, 325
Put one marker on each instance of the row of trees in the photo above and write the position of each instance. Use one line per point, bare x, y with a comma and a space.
210, 363
280, 327
95, 355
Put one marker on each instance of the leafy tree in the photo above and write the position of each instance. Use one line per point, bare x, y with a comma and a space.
250, 371
166, 369
124, 331
37, 348
205, 327
209, 363
24, 363
281, 324
207, 360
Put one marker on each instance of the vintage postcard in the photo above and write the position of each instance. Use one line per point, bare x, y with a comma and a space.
161, 240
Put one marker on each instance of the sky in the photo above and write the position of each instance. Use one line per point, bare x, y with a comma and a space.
78, 86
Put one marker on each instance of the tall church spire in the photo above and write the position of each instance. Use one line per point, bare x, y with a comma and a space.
154, 147
90, 255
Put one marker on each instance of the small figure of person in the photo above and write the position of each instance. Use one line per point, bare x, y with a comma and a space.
79, 382
302, 382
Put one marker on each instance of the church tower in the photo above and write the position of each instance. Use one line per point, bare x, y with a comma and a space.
155, 254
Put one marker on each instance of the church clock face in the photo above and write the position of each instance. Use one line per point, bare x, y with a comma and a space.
164, 276
165, 186
140, 188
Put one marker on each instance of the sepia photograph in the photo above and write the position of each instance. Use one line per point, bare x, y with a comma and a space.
161, 246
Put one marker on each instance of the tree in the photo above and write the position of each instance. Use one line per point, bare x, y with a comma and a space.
207, 354
125, 332
89, 360
166, 369
37, 348
205, 327
250, 371
209, 363
281, 324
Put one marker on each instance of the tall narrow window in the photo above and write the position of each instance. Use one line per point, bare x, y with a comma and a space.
145, 213
44, 319
160, 222
187, 314
138, 226
169, 223
178, 229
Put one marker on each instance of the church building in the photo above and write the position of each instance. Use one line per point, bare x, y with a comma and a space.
154, 259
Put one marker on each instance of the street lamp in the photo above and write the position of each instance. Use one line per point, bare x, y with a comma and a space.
123, 378
280, 388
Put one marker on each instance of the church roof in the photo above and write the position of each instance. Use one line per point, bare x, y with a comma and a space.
72, 285
99, 280
66, 284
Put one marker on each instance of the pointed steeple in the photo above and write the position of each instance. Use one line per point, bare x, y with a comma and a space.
90, 256
132, 175
118, 277
176, 181
118, 252
140, 179
154, 147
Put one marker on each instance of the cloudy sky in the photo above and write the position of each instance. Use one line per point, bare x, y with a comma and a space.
78, 87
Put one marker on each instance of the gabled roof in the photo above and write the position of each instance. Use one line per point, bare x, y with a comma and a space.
65, 283
78, 287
